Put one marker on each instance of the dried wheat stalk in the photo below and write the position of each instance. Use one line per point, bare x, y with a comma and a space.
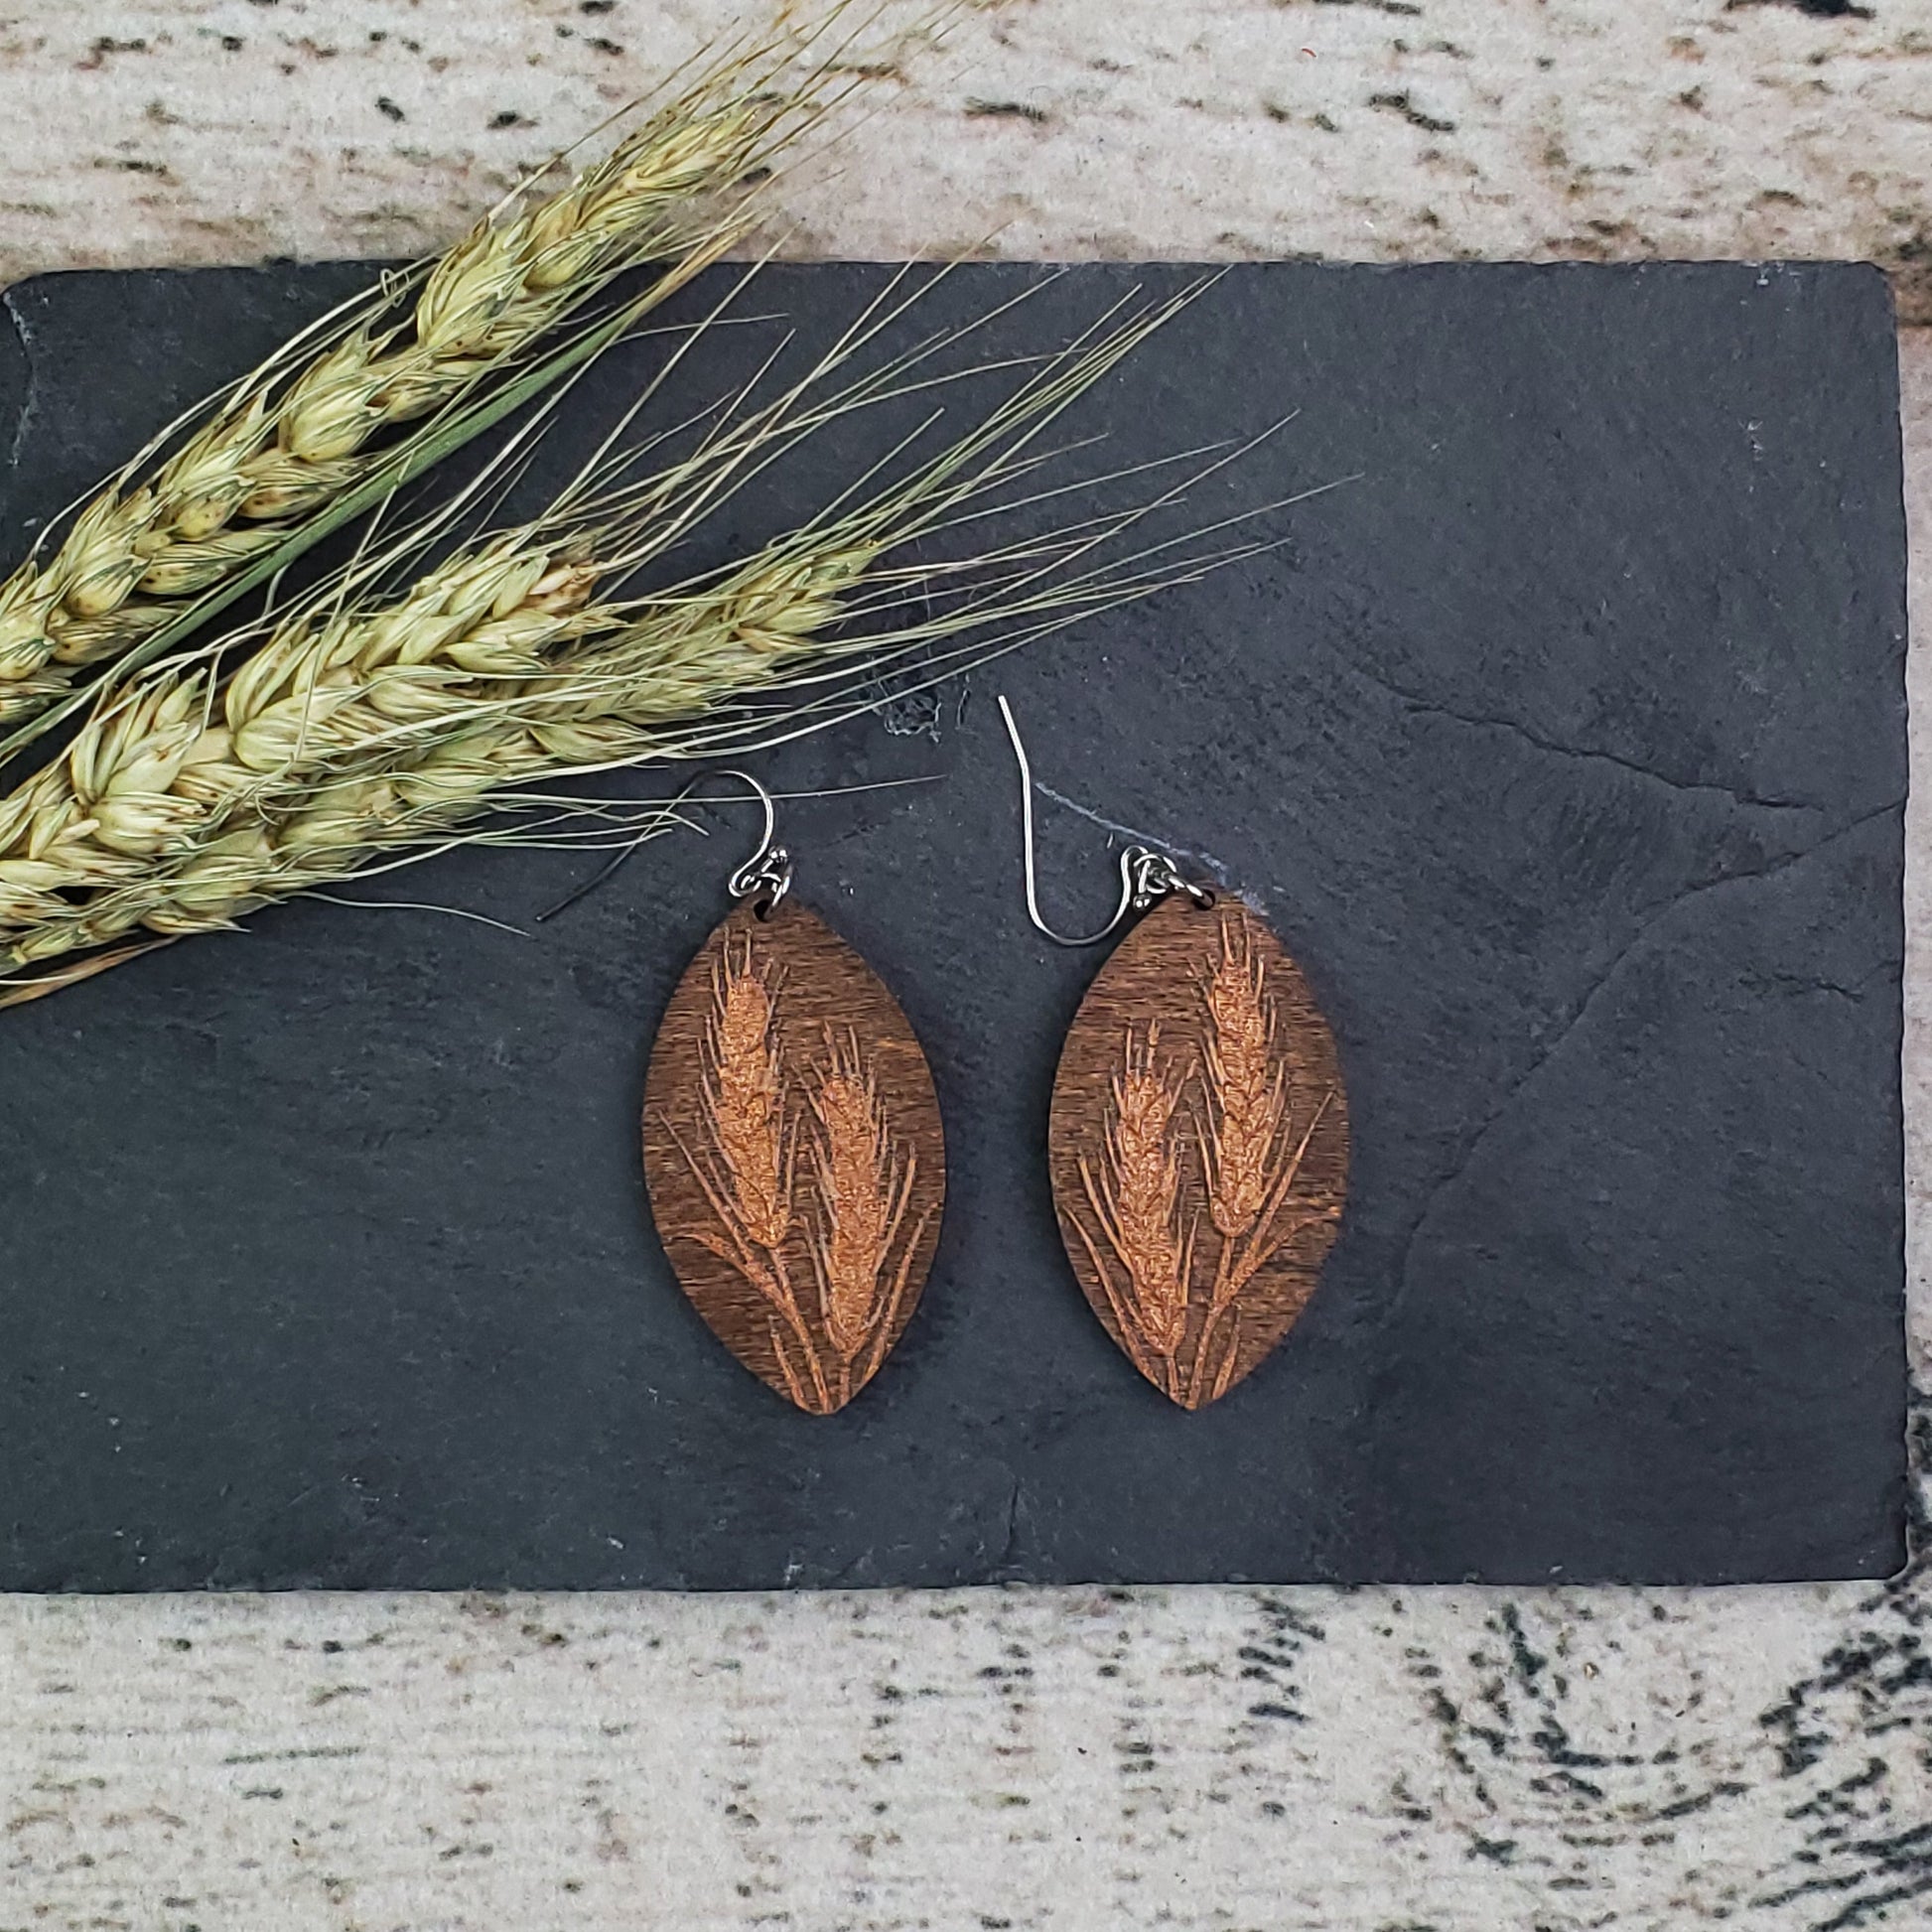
363, 730
1136, 1203
863, 1190
346, 688
283, 446
161, 817
157, 776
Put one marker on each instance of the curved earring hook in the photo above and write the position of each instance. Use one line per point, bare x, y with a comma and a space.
768, 870
1145, 875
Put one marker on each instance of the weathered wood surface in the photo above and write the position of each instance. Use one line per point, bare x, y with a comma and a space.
793, 1153
149, 131
1372, 1761
1199, 1144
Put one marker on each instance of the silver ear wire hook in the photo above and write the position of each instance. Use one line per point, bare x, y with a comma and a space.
768, 870
1145, 875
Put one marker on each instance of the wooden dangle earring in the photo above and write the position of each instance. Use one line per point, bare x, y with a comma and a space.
1198, 1135
792, 1146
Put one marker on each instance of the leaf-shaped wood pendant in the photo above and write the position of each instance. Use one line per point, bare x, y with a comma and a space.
793, 1153
1198, 1145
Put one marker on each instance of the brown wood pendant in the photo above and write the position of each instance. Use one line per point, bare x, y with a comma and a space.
793, 1153
1198, 1146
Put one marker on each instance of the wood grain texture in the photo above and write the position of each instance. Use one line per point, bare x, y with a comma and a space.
1199, 1146
152, 131
794, 1154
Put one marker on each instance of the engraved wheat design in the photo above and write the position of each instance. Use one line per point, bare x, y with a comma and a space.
747, 1172
1228, 1106
1136, 1201
830, 1333
1251, 1157
1246, 1090
863, 1190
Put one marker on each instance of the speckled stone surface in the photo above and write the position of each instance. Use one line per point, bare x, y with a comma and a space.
1306, 1762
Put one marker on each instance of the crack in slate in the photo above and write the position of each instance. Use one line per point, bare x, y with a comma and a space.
1015, 1505
29, 396
1796, 983
1481, 722
1582, 1010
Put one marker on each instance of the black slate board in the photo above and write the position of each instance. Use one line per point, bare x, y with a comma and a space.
1565, 746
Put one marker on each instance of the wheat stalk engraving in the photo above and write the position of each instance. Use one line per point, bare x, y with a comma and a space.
799, 1137
747, 1172
1194, 1172
863, 1190
1251, 1156
1136, 1203
1247, 1089
743, 1094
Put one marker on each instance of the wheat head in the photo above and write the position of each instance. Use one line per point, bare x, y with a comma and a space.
1251, 1154
281, 448
743, 1094
368, 729
862, 1193
1137, 1196
158, 775
374, 736
746, 1169
1247, 1089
